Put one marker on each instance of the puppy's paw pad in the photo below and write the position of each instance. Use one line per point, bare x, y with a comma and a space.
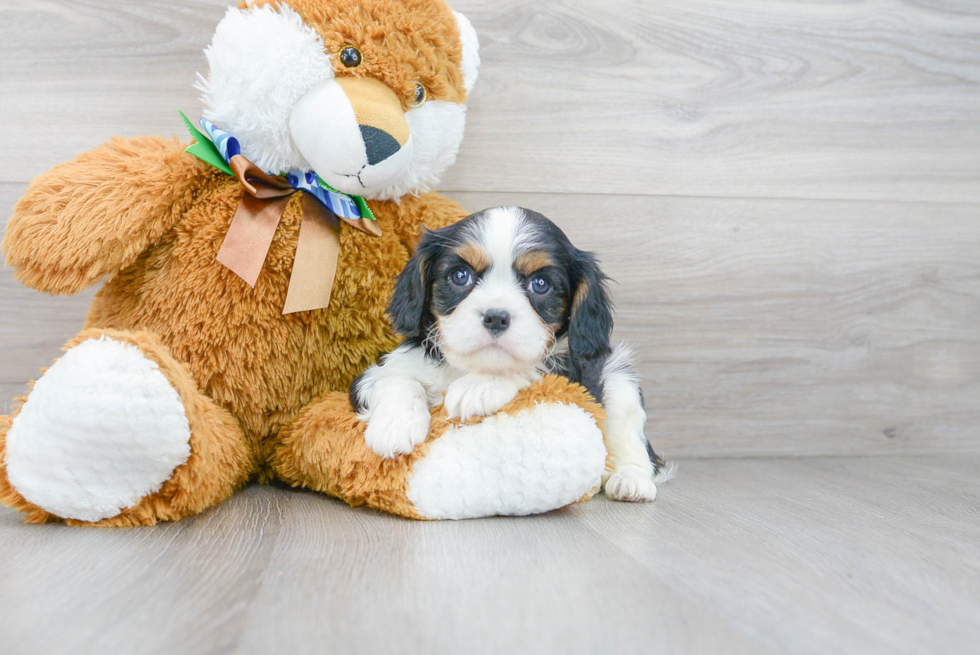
631, 487
396, 429
478, 395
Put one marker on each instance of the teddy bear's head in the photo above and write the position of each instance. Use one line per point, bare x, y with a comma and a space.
369, 94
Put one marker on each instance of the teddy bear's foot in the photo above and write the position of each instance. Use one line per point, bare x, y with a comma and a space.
521, 462
116, 432
543, 451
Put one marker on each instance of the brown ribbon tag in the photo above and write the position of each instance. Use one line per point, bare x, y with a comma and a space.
250, 236
253, 228
315, 265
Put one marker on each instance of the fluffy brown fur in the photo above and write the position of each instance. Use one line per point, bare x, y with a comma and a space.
325, 450
241, 350
164, 286
94, 216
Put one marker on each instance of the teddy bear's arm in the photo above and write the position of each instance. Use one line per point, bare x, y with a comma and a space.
95, 215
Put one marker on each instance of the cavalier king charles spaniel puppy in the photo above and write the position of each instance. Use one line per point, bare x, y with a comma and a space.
487, 306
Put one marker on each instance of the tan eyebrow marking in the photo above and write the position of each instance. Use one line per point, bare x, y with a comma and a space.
529, 262
475, 256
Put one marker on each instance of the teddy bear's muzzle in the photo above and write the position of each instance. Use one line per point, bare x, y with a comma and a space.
353, 133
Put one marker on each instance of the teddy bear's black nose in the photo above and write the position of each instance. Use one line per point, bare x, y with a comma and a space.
379, 144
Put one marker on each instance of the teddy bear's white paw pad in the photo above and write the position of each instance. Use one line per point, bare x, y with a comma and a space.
530, 462
478, 395
631, 486
102, 429
398, 424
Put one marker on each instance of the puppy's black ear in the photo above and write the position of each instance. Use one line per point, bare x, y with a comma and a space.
409, 306
590, 324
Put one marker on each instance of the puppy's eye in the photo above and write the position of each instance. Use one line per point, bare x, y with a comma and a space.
350, 57
420, 95
461, 277
539, 286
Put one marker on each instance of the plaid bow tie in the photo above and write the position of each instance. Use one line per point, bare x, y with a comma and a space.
255, 222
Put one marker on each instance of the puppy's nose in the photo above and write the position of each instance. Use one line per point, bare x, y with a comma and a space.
496, 320
379, 144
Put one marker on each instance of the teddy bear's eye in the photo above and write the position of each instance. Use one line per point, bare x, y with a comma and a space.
420, 95
350, 57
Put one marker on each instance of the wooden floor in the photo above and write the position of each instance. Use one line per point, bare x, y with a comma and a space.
788, 196
803, 555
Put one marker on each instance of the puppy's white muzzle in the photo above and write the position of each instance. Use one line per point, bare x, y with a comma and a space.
471, 345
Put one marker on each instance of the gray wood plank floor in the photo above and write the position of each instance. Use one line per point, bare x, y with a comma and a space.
787, 194
801, 555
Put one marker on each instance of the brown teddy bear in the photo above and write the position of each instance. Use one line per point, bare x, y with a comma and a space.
246, 280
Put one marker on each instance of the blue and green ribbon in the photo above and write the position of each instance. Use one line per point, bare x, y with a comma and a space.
216, 147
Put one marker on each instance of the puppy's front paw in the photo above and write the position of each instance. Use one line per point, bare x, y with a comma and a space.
631, 485
398, 424
479, 395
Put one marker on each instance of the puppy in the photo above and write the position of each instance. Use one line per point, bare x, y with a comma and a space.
487, 306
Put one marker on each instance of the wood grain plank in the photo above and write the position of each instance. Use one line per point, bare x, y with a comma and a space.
278, 571
813, 555
763, 327
77, 73
859, 555
33, 326
786, 327
182, 587
497, 586
859, 100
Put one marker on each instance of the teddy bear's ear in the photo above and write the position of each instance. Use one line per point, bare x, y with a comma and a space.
471, 51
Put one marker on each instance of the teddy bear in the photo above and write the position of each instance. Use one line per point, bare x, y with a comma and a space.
245, 280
